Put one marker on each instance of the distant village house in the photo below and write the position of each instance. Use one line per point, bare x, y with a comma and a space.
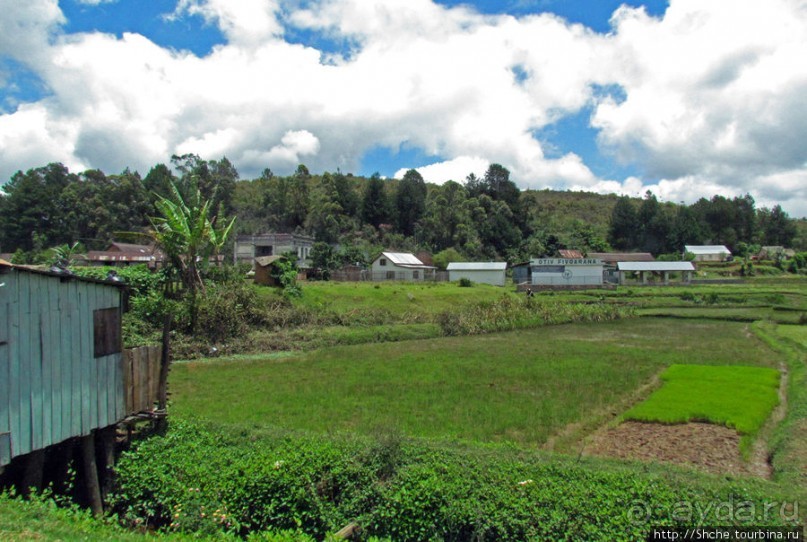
709, 253
249, 247
124, 254
479, 272
400, 266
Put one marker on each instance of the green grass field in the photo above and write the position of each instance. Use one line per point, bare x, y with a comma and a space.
739, 397
520, 387
396, 297
797, 334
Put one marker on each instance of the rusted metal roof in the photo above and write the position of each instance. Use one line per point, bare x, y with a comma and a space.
56, 272
263, 261
613, 257
570, 254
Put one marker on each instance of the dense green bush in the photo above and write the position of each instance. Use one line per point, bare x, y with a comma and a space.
207, 479
228, 310
139, 279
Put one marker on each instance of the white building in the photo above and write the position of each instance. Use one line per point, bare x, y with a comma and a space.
567, 272
249, 247
400, 266
708, 253
480, 272
662, 269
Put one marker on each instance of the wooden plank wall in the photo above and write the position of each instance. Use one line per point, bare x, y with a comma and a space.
141, 378
51, 386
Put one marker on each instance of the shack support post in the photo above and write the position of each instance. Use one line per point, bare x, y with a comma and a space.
33, 472
91, 475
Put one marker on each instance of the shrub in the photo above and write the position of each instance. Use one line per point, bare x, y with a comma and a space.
139, 279
207, 479
228, 310
465, 282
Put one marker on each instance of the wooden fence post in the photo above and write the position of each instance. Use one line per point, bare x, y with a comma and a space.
165, 362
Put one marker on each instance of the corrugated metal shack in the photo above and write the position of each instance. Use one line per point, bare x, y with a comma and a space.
63, 372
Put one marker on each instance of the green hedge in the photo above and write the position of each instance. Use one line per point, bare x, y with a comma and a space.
204, 479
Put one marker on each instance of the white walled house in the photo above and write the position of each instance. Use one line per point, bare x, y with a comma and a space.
400, 266
709, 253
249, 247
567, 272
479, 272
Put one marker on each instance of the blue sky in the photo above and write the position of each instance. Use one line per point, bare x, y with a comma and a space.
687, 98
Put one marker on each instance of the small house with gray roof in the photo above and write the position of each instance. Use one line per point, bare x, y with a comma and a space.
400, 266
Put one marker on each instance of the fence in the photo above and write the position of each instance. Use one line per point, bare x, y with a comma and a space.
141, 378
369, 276
580, 280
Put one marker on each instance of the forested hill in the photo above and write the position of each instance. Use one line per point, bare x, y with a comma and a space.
479, 218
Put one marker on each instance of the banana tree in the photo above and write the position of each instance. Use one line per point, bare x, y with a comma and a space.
189, 237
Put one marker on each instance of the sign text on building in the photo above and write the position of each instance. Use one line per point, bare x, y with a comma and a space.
565, 261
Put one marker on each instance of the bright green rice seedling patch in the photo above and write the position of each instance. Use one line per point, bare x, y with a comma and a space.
738, 397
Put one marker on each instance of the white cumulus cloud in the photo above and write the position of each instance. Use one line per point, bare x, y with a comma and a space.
707, 98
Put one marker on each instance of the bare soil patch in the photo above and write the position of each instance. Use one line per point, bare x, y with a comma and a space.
710, 447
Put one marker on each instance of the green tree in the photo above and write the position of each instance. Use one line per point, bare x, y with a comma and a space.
33, 205
685, 230
324, 260
374, 204
777, 227
445, 257
501, 188
410, 201
447, 220
583, 237
214, 179
624, 225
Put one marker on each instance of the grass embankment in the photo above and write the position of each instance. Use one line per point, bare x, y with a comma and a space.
330, 314
788, 443
738, 397
404, 299
519, 386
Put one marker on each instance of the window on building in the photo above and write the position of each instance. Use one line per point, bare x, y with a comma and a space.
415, 275
107, 331
382, 262
390, 275
263, 251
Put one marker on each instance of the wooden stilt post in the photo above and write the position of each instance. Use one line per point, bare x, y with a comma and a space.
62, 456
91, 475
33, 472
108, 446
